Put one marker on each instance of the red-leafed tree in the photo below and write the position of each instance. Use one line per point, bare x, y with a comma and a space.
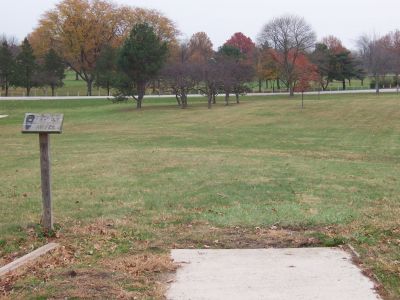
303, 70
243, 43
334, 44
306, 73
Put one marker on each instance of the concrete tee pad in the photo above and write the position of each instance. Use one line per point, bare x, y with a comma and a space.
298, 274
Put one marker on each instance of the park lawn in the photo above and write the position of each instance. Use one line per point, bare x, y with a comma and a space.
130, 185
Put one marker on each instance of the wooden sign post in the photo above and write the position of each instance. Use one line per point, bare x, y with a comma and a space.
44, 125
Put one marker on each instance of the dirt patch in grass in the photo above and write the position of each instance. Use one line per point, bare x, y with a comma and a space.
90, 283
242, 238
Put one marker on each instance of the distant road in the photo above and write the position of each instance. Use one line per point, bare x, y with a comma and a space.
196, 95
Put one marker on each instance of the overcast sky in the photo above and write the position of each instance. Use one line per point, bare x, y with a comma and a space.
346, 19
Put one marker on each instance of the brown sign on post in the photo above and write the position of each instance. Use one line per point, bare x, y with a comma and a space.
44, 124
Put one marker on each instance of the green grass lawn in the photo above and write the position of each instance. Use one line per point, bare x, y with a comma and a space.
130, 183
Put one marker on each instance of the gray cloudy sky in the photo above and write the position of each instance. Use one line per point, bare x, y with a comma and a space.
346, 19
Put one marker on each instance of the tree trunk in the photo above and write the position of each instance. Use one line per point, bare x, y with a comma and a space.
6, 88
52, 90
184, 101
237, 98
344, 84
259, 85
141, 92
178, 100
28, 91
139, 102
214, 99
278, 84
76, 76
377, 84
291, 89
108, 88
210, 96
324, 87
362, 82
302, 99
89, 85
226, 99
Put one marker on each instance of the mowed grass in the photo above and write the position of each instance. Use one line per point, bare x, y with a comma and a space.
332, 168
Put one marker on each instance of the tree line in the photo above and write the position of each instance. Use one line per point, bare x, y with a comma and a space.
20, 68
130, 50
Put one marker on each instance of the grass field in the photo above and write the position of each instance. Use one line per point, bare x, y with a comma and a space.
130, 185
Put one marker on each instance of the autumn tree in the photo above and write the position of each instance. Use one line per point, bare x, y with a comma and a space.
306, 73
140, 59
25, 68
80, 29
245, 45
7, 66
265, 67
163, 27
289, 36
200, 48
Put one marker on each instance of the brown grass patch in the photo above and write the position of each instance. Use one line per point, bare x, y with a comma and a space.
148, 273
41, 269
90, 283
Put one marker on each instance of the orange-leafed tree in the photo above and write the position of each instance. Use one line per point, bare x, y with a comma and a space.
200, 48
164, 28
266, 68
78, 30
